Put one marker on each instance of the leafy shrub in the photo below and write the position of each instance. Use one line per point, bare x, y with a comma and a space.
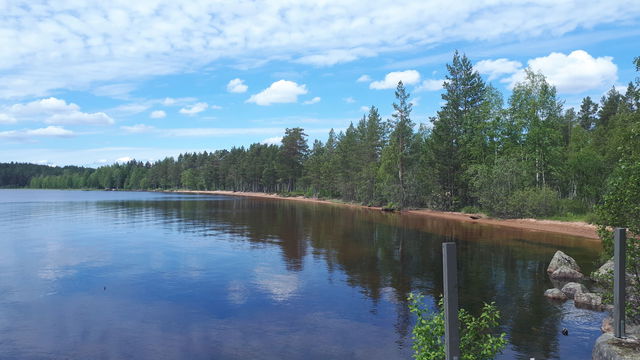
534, 202
477, 341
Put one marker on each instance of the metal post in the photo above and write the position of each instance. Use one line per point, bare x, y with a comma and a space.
619, 286
451, 325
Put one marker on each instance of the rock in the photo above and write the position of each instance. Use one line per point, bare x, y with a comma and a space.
573, 288
607, 325
610, 348
588, 300
561, 259
555, 294
604, 270
565, 272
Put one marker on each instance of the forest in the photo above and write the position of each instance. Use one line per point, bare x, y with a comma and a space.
523, 156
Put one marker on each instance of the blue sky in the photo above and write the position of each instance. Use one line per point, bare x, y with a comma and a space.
93, 83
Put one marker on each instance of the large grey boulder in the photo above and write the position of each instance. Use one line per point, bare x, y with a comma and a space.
604, 270
555, 294
608, 347
561, 259
588, 300
573, 288
567, 273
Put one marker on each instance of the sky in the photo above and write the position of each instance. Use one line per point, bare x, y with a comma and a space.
93, 82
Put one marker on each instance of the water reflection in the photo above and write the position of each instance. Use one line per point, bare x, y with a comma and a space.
224, 277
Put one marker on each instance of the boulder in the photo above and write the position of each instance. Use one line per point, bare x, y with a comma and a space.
608, 347
555, 294
588, 300
604, 270
607, 325
572, 288
565, 272
561, 259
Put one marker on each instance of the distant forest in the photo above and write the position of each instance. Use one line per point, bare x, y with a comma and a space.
527, 156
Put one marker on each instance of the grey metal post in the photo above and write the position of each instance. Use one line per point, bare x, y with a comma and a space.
619, 286
451, 325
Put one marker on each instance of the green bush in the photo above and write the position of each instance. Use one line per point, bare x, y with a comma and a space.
477, 339
534, 202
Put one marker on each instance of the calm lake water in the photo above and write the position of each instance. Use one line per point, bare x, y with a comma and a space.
122, 275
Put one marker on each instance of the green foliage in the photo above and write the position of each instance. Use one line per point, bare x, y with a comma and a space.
477, 338
621, 208
534, 202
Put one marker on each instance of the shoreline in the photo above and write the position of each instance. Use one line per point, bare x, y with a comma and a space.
578, 229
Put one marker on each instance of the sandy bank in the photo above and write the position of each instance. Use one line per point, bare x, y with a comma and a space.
579, 229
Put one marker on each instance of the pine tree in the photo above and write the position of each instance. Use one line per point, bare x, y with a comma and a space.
587, 114
458, 138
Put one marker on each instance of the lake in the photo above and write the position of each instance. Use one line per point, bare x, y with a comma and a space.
135, 275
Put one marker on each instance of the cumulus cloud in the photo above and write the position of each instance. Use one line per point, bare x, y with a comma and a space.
137, 129
124, 159
281, 91
364, 108
573, 73
194, 109
237, 86
158, 114
72, 45
49, 131
277, 140
364, 78
430, 85
408, 77
349, 100
54, 111
497, 68
315, 100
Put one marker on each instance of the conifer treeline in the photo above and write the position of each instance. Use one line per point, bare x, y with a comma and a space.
528, 157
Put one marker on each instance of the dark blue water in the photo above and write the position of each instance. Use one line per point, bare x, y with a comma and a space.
117, 275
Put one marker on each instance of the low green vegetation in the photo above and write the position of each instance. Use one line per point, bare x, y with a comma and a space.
524, 156
478, 338
621, 208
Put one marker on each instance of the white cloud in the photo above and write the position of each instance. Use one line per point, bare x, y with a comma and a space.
573, 73
430, 85
137, 129
364, 108
349, 100
6, 119
315, 100
194, 109
281, 91
124, 159
215, 107
277, 140
408, 77
336, 56
78, 45
158, 114
237, 86
169, 101
114, 90
80, 118
415, 101
49, 131
497, 68
55, 111
364, 78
